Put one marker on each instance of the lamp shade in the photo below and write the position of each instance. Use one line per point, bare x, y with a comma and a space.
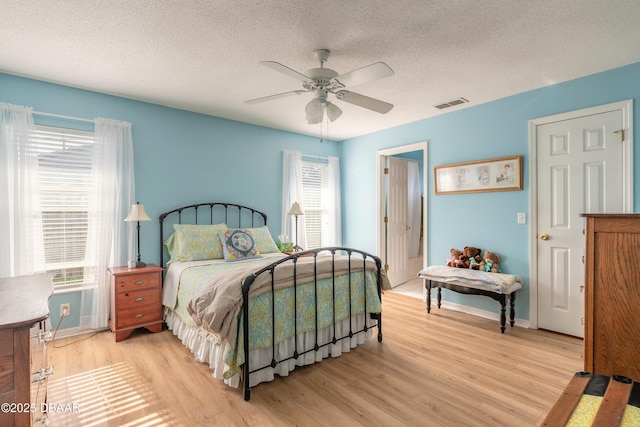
295, 209
314, 110
333, 111
137, 213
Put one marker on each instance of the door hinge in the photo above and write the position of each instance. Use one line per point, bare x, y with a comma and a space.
386, 219
582, 321
386, 267
386, 171
620, 133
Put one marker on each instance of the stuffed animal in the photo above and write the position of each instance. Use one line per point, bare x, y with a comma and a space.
455, 260
489, 262
473, 257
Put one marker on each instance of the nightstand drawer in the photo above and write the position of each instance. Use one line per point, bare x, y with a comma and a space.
133, 282
139, 316
133, 299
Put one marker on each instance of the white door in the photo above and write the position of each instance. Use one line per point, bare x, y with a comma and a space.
397, 252
580, 170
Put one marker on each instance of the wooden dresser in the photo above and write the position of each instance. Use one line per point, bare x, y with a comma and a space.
136, 300
24, 307
612, 295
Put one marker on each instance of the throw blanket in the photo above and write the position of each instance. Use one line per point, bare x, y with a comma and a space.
497, 282
217, 306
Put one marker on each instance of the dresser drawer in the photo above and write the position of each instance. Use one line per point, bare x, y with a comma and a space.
133, 299
134, 282
6, 342
6, 374
139, 316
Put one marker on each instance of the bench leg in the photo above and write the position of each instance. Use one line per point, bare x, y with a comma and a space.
439, 296
427, 285
503, 315
512, 311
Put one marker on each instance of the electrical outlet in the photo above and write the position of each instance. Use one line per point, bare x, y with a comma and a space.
65, 309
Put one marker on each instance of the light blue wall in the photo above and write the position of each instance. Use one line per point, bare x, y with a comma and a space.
495, 129
183, 157
180, 157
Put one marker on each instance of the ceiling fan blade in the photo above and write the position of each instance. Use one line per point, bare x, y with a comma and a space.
364, 101
276, 96
285, 70
365, 74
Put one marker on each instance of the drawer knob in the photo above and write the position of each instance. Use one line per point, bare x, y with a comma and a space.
42, 337
139, 315
41, 374
139, 299
139, 282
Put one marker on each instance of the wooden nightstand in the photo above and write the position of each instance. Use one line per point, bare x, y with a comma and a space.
136, 299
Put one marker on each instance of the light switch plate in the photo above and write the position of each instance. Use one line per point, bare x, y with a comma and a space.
522, 218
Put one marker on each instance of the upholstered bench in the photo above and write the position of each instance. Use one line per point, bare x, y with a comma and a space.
497, 286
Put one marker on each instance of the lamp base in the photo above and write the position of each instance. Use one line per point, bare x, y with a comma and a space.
136, 264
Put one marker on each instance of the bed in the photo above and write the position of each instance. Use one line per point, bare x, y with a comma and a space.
497, 286
224, 267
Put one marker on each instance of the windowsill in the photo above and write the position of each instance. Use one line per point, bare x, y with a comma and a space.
70, 289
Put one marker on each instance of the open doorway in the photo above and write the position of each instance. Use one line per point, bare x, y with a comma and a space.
398, 235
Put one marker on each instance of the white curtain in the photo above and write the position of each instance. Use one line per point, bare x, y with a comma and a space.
334, 232
414, 208
112, 195
292, 192
20, 214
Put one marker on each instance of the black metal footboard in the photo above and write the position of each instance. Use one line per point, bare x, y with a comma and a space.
355, 258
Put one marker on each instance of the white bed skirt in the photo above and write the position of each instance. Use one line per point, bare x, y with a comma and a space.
205, 348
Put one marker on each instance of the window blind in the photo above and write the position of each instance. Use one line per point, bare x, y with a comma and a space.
314, 189
64, 167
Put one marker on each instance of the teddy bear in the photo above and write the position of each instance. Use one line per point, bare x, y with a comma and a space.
456, 259
473, 257
489, 262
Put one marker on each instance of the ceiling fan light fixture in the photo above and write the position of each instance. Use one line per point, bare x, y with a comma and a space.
315, 111
333, 111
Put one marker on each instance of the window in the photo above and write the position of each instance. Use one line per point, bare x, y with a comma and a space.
315, 189
64, 169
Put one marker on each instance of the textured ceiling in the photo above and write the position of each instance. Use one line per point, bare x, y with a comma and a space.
203, 55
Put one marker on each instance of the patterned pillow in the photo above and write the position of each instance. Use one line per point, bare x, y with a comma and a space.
191, 242
238, 243
264, 241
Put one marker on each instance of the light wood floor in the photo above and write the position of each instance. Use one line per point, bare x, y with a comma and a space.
440, 369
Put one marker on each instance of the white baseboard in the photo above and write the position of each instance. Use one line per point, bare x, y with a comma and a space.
71, 332
523, 323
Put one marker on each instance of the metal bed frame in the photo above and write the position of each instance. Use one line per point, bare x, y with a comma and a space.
218, 212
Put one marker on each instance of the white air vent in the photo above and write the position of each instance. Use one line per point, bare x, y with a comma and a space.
452, 103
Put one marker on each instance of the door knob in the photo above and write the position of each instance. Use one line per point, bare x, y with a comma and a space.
544, 237
407, 227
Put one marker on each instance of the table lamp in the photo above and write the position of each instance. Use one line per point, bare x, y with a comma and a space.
137, 214
296, 210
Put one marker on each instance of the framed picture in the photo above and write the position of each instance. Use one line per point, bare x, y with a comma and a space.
499, 174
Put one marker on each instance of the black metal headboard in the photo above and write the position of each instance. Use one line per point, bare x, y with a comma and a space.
232, 214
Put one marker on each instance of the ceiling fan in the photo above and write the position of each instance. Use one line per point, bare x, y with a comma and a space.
323, 81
